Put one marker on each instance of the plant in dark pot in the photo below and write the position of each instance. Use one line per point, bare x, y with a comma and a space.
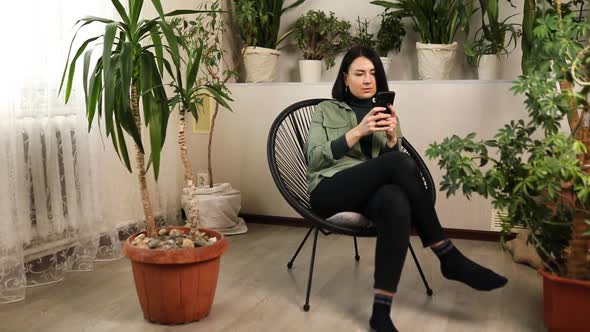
538, 174
389, 37
492, 40
259, 23
437, 24
320, 37
175, 268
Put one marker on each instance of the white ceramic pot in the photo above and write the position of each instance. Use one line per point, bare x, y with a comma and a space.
436, 61
386, 64
260, 64
310, 70
489, 67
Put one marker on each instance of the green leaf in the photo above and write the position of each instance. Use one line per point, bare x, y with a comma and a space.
121, 11
73, 67
95, 87
126, 70
109, 80
123, 148
158, 47
136, 7
193, 69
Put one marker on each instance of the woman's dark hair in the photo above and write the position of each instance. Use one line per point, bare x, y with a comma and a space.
339, 89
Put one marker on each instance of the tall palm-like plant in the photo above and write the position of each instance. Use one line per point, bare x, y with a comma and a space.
129, 71
201, 40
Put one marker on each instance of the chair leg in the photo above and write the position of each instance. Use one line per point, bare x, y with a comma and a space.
315, 241
428, 290
290, 264
356, 250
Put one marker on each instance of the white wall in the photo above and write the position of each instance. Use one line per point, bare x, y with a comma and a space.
428, 111
404, 65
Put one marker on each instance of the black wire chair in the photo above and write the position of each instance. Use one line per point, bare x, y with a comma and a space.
288, 166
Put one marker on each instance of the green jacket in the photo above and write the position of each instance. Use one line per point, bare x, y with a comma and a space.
331, 120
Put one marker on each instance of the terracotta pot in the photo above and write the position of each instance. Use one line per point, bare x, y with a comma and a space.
176, 286
566, 303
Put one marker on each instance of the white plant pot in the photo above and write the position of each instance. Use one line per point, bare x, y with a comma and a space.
436, 61
489, 67
217, 207
310, 70
260, 64
386, 64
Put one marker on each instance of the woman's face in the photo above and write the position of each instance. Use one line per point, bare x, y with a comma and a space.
360, 78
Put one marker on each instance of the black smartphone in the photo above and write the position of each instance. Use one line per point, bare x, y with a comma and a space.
384, 98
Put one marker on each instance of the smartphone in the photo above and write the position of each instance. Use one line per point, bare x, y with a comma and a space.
384, 98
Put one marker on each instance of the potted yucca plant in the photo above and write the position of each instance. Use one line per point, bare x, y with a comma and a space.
129, 73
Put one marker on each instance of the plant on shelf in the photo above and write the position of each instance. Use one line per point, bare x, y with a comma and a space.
129, 72
493, 39
437, 23
321, 37
363, 37
259, 22
390, 34
539, 175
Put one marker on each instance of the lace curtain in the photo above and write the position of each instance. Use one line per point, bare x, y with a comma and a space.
67, 200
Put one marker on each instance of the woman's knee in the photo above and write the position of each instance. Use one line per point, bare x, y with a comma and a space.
401, 160
393, 200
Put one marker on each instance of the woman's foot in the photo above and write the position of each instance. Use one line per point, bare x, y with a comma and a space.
382, 324
380, 320
455, 266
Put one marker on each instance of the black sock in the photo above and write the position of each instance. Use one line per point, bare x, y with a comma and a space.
455, 266
380, 320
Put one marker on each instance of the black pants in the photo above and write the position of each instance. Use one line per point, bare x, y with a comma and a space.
388, 190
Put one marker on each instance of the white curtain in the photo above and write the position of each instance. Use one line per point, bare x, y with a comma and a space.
66, 199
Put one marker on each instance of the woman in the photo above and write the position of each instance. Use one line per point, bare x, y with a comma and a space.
355, 165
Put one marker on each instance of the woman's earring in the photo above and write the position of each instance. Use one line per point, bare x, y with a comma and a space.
347, 90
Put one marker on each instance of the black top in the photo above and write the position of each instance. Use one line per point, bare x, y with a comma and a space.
360, 107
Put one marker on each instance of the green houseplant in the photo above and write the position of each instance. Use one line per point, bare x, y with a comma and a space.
390, 35
202, 83
129, 72
493, 39
437, 24
259, 23
320, 37
363, 37
540, 175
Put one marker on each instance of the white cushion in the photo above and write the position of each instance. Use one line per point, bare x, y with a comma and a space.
349, 219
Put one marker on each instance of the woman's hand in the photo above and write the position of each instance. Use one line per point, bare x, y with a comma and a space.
376, 120
392, 130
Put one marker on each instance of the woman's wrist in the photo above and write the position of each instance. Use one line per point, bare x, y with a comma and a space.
392, 142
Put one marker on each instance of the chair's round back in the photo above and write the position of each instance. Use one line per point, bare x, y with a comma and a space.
288, 164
